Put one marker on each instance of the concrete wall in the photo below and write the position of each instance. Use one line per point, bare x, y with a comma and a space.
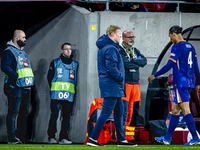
72, 26
82, 28
151, 31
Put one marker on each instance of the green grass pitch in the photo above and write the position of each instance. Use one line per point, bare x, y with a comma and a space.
84, 147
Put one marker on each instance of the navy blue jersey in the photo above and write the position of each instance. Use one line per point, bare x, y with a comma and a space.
184, 56
183, 60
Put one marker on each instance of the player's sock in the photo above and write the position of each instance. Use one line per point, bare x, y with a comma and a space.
191, 125
172, 126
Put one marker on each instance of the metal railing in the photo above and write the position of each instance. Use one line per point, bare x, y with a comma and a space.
178, 2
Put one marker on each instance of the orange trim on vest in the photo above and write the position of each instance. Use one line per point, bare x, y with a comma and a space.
106, 134
96, 104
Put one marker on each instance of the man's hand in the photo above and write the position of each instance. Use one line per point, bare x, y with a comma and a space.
198, 88
151, 78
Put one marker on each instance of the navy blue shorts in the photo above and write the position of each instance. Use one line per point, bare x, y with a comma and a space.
181, 95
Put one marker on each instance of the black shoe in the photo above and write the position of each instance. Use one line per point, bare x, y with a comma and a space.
126, 144
14, 141
92, 142
136, 142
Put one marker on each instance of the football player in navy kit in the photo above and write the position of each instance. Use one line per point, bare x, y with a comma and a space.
183, 60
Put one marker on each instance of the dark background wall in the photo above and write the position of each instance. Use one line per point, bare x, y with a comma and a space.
24, 15
47, 26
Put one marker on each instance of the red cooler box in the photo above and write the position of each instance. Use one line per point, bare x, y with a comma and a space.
179, 136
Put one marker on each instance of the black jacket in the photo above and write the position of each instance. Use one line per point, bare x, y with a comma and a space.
51, 71
9, 65
132, 66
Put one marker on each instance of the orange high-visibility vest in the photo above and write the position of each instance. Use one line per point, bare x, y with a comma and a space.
105, 134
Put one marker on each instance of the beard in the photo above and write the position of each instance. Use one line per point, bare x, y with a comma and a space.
131, 44
21, 43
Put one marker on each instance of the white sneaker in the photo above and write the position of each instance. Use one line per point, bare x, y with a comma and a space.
52, 141
65, 141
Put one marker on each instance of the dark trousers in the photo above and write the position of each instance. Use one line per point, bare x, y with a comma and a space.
18, 107
66, 109
110, 104
125, 112
135, 113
